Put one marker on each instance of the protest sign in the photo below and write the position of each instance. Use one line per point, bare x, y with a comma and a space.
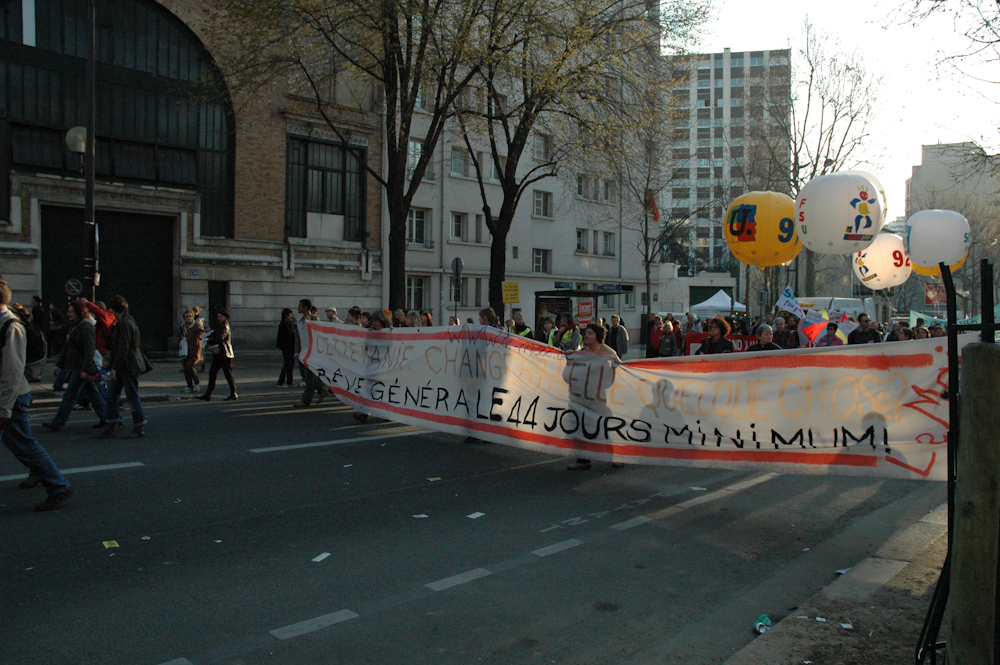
865, 410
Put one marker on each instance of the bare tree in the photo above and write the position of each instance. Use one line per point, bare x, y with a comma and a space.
816, 126
565, 78
414, 55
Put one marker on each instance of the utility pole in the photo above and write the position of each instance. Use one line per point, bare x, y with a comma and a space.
90, 260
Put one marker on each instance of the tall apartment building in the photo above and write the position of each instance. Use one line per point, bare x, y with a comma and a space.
726, 104
196, 204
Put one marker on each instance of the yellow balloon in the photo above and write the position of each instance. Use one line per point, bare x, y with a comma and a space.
759, 229
935, 271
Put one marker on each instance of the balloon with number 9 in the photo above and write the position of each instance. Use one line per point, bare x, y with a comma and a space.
760, 230
884, 263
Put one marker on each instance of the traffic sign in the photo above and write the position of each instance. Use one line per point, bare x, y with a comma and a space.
74, 287
511, 292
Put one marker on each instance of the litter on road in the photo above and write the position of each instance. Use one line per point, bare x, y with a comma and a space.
475, 516
700, 489
321, 557
847, 626
144, 538
821, 619
433, 480
420, 516
108, 544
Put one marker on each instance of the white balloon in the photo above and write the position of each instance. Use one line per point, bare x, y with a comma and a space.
937, 236
839, 213
879, 188
884, 263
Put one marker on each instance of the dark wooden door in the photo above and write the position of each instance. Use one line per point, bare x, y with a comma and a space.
136, 262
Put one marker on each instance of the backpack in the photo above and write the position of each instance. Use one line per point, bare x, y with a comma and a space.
622, 341
36, 348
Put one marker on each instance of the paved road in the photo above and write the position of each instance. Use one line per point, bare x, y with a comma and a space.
239, 544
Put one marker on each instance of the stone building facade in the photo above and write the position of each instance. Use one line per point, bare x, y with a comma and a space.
202, 198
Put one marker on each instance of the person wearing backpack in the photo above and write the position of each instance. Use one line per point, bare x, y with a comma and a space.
15, 396
78, 356
37, 351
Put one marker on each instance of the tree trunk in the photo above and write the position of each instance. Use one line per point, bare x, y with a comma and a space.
810, 260
498, 268
395, 265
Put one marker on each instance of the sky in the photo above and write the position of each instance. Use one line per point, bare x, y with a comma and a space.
920, 101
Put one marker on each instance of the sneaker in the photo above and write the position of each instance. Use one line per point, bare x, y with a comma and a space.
138, 432
579, 466
52, 427
302, 384
30, 482
281, 385
79, 407
188, 390
196, 388
54, 499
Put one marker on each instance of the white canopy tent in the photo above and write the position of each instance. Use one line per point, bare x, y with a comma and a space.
720, 303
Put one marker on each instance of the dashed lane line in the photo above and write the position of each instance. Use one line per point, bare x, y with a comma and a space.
83, 469
455, 580
312, 625
558, 547
335, 442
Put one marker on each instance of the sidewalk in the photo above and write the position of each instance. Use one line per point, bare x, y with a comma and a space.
256, 372
872, 614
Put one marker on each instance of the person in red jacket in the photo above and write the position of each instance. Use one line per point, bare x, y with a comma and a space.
105, 324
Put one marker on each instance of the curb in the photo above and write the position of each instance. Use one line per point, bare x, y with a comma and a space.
859, 583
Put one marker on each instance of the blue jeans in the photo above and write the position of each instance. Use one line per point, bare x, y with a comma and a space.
79, 388
61, 378
17, 437
131, 385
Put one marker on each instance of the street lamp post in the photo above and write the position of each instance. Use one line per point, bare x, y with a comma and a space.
82, 140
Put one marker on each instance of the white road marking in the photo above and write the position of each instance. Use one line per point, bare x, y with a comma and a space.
335, 442
455, 580
312, 625
83, 469
558, 547
628, 524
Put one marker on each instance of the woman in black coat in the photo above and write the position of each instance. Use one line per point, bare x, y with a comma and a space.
286, 342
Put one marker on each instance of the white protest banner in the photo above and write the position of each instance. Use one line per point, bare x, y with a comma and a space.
789, 303
863, 410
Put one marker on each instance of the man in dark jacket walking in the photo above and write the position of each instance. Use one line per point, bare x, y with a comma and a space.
78, 357
127, 363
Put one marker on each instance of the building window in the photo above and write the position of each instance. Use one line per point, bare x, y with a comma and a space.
460, 226
609, 244
581, 240
495, 170
413, 155
756, 62
479, 292
460, 163
736, 83
590, 188
543, 204
542, 147
629, 297
736, 62
513, 252
326, 190
417, 231
541, 260
415, 288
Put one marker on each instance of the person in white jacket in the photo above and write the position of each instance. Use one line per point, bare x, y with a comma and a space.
15, 396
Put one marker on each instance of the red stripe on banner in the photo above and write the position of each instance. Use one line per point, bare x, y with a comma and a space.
767, 360
774, 456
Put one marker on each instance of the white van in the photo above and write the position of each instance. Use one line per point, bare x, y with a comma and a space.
849, 306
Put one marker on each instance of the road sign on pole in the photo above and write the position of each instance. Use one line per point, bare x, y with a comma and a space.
511, 292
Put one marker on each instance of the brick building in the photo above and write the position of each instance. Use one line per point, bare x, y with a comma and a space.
202, 198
